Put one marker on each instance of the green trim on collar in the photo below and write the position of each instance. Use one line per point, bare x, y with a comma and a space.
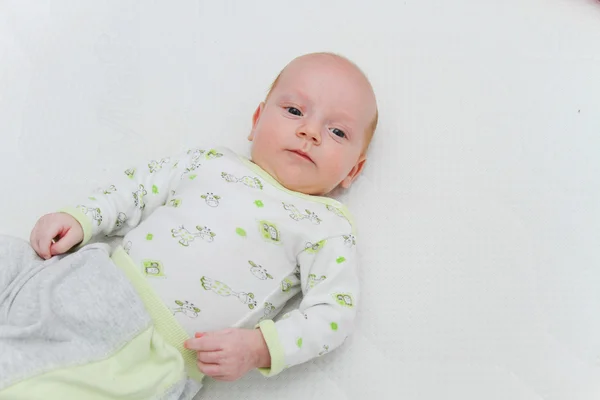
317, 199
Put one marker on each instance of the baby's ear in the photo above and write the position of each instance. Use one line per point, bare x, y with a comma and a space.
354, 172
255, 119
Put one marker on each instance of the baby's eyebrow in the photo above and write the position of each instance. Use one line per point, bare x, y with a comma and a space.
296, 95
344, 116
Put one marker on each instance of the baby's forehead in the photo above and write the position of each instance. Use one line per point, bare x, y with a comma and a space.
319, 65
328, 69
311, 82
331, 68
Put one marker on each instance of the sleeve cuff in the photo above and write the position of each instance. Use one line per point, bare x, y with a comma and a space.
267, 327
83, 221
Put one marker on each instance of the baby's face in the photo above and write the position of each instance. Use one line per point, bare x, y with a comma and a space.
311, 131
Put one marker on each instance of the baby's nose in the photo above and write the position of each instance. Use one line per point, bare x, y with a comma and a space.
310, 133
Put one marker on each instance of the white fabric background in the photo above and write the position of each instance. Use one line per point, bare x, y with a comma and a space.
479, 211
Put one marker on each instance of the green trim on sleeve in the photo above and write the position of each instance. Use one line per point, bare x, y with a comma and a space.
83, 220
267, 327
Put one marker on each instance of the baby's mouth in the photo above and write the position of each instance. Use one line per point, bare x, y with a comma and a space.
303, 155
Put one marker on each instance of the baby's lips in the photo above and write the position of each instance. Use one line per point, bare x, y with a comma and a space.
198, 335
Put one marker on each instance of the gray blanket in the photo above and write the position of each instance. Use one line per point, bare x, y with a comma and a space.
63, 320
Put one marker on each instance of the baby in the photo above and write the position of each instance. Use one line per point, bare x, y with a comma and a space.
214, 246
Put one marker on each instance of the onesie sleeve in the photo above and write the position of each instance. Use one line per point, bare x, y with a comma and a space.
325, 316
134, 194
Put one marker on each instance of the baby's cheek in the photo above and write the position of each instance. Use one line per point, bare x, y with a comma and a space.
341, 165
336, 170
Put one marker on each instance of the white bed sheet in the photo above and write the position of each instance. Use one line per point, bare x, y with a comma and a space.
478, 213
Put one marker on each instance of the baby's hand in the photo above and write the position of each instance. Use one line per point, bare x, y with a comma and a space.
55, 234
228, 354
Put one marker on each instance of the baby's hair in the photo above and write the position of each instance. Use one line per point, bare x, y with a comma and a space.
372, 126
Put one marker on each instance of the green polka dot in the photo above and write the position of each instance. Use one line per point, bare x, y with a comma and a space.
299, 342
92, 198
193, 176
240, 232
334, 326
340, 260
259, 204
149, 236
154, 189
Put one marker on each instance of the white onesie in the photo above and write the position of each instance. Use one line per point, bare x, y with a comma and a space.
225, 245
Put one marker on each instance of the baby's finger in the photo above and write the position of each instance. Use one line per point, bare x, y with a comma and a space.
48, 240
205, 343
210, 357
64, 244
43, 245
209, 369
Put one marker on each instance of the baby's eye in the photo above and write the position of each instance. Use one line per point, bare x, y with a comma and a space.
294, 110
338, 132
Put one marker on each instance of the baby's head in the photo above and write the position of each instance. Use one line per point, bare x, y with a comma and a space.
312, 131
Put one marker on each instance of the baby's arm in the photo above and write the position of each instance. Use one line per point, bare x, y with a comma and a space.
325, 317
132, 195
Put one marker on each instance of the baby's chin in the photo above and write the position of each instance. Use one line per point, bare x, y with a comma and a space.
297, 184
294, 177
